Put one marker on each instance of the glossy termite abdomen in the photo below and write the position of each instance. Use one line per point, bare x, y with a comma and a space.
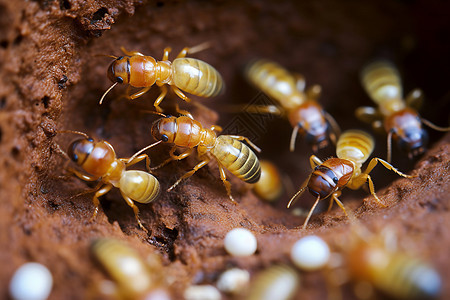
238, 158
270, 186
276, 82
196, 77
124, 265
279, 282
381, 80
355, 145
140, 186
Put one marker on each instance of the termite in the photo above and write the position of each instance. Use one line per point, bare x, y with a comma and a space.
228, 150
99, 162
300, 107
275, 282
329, 177
376, 261
398, 117
393, 272
370, 261
191, 75
134, 278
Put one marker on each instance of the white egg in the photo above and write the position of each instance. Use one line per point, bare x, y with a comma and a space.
233, 281
310, 253
202, 292
32, 281
240, 242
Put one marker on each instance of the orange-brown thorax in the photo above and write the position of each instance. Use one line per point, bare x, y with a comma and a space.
334, 174
140, 71
183, 132
310, 118
407, 130
97, 159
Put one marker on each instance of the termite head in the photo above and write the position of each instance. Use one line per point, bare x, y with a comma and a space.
309, 120
413, 141
405, 126
322, 182
118, 70
80, 149
164, 129
317, 135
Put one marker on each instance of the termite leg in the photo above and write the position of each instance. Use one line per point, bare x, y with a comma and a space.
167, 50
180, 93
136, 211
192, 50
138, 93
98, 194
190, 173
160, 98
226, 183
130, 53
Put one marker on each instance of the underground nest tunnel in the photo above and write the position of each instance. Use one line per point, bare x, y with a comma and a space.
53, 75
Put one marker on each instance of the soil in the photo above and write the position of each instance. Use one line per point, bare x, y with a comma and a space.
53, 75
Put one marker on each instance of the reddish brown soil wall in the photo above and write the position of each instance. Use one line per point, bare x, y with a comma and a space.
51, 79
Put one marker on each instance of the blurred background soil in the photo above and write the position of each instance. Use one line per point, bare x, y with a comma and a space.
52, 76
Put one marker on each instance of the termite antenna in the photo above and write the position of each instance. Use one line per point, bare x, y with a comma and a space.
74, 132
299, 192
294, 137
112, 56
154, 112
199, 48
335, 128
389, 147
310, 213
433, 126
107, 91
58, 149
295, 197
142, 150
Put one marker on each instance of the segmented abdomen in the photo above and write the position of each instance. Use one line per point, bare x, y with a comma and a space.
275, 82
196, 77
140, 186
279, 282
407, 278
238, 158
381, 81
116, 258
355, 145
